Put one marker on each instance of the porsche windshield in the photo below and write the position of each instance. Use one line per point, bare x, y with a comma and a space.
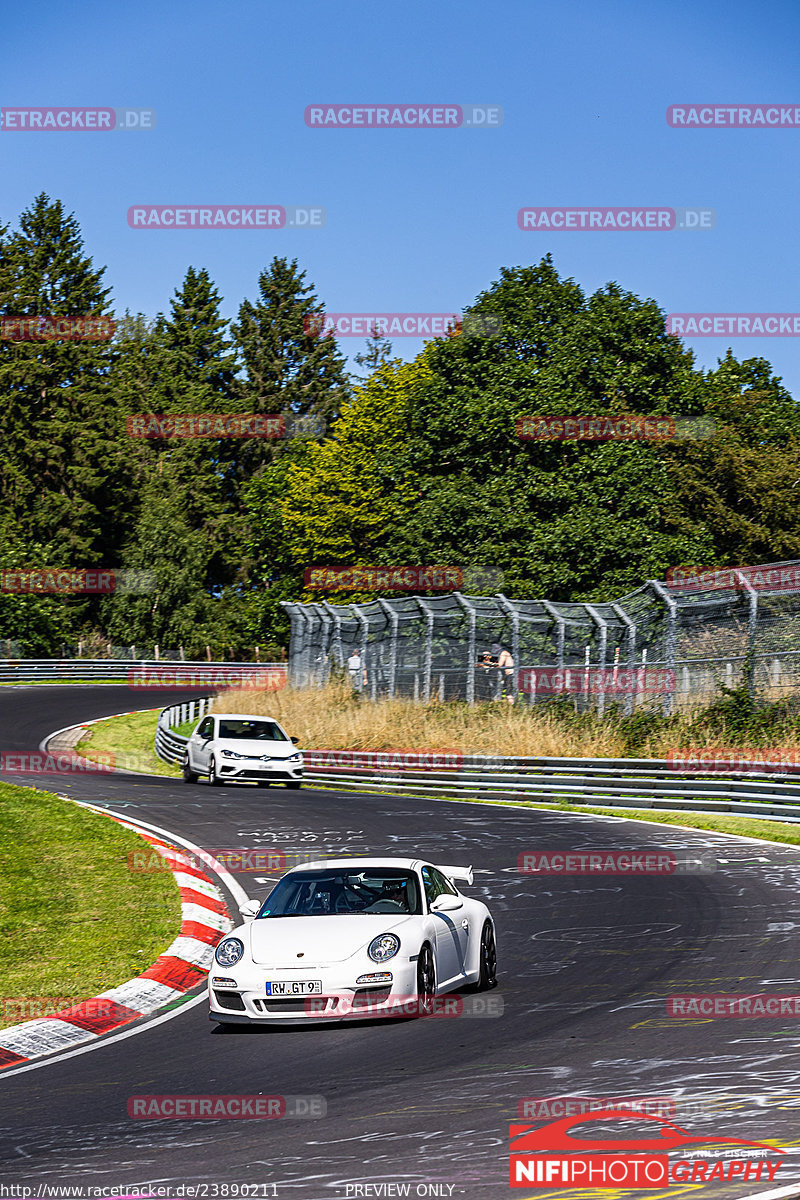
335, 891
251, 731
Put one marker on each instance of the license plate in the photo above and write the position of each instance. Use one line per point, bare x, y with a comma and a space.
298, 987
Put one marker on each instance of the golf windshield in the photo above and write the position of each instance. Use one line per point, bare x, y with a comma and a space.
251, 731
323, 893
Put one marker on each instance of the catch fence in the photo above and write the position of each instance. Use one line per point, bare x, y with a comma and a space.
663, 645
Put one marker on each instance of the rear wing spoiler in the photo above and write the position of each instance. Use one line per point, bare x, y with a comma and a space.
462, 873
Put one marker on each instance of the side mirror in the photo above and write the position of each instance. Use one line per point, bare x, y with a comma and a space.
295, 740
446, 903
249, 909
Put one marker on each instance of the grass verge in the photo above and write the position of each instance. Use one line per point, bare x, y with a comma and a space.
126, 741
74, 920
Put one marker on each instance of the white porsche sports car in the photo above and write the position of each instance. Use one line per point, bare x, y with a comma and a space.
243, 749
352, 937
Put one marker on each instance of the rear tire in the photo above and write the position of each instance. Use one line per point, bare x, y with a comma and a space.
426, 981
213, 778
189, 776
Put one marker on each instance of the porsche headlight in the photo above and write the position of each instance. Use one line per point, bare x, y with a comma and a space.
229, 951
383, 947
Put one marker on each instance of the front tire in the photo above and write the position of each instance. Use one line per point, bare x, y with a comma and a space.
426, 981
294, 785
213, 778
189, 776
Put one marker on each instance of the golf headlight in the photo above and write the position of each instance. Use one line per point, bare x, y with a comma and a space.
231, 754
229, 951
383, 947
295, 757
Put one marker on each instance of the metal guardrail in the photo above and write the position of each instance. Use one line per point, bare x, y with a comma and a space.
136, 672
614, 782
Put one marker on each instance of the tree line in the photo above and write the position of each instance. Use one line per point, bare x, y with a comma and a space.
395, 464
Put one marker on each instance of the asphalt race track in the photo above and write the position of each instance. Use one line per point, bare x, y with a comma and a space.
586, 965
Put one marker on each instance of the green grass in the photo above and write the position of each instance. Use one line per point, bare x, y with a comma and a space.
74, 919
128, 740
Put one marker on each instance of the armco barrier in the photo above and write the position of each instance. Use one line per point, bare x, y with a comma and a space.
125, 670
608, 782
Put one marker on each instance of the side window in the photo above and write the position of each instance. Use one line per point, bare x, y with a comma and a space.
432, 889
206, 727
444, 884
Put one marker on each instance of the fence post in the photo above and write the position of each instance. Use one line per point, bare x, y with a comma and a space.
672, 635
473, 649
561, 624
630, 631
603, 627
752, 624
426, 685
394, 619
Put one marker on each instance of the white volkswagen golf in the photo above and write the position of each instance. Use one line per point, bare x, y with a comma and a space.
242, 749
353, 937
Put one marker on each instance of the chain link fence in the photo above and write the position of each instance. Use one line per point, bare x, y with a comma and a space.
667, 644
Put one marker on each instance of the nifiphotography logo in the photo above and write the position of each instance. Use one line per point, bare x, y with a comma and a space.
574, 1153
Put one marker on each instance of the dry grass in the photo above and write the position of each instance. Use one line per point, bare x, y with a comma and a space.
333, 718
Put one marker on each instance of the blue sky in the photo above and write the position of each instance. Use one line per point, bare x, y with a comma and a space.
420, 220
